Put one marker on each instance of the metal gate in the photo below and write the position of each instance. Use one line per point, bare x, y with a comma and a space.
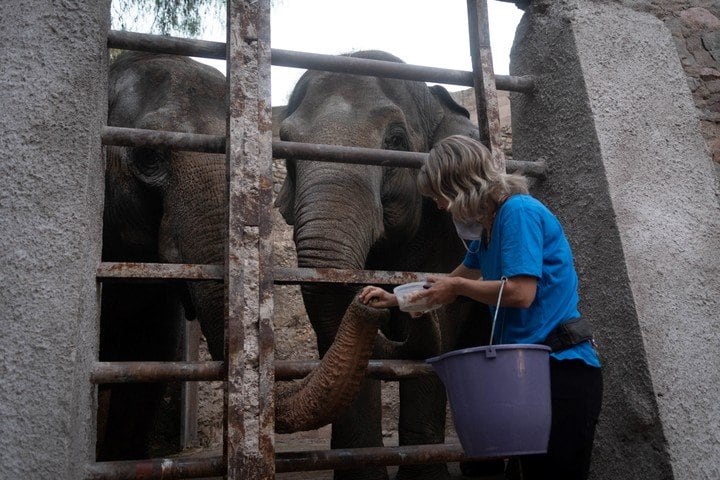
249, 371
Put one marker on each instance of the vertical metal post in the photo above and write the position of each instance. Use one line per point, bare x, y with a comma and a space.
249, 403
189, 390
484, 76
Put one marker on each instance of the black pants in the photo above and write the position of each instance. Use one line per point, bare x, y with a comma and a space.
576, 391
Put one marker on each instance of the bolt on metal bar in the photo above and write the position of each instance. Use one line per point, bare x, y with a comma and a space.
127, 372
158, 271
316, 61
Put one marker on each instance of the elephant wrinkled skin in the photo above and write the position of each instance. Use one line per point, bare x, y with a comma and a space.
371, 217
169, 206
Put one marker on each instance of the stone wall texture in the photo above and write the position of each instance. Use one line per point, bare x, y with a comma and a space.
695, 28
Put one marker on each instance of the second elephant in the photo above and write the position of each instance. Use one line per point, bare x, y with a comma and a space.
370, 217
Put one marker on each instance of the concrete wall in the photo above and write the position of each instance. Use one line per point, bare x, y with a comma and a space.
53, 99
634, 185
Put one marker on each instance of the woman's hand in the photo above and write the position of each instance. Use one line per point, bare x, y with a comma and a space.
377, 297
442, 290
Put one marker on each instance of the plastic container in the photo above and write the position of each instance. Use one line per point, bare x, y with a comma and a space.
406, 297
499, 398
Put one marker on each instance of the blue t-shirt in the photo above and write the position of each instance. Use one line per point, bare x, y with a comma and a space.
527, 239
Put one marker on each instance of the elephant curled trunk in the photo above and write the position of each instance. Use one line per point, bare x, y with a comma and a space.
316, 400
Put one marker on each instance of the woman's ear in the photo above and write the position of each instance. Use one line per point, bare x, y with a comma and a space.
455, 118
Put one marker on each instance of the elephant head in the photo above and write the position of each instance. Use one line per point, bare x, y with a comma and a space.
170, 206
371, 217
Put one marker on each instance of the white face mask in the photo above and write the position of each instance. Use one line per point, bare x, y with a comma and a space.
469, 230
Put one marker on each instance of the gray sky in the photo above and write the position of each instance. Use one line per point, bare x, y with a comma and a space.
420, 32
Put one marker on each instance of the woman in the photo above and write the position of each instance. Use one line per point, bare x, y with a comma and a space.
517, 243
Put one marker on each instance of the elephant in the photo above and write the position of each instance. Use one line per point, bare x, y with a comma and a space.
170, 206
372, 217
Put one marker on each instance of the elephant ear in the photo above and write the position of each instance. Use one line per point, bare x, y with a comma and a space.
455, 118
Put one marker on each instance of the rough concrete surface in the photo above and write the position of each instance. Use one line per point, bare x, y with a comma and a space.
53, 105
633, 183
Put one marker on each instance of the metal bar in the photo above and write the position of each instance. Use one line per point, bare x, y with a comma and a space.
316, 61
344, 276
339, 459
156, 469
163, 44
249, 414
158, 271
378, 369
381, 68
484, 79
132, 137
137, 137
129, 372
189, 390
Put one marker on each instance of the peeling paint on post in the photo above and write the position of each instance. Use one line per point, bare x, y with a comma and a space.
249, 404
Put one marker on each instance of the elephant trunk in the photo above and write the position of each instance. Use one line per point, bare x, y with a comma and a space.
317, 400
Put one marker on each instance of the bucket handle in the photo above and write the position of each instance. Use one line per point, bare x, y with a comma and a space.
503, 280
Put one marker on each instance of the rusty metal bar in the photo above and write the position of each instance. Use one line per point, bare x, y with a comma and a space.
378, 369
127, 372
158, 271
340, 459
132, 137
137, 137
156, 469
213, 371
381, 68
316, 61
313, 460
484, 79
189, 390
249, 414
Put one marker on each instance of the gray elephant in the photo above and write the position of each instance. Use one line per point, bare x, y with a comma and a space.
370, 217
169, 206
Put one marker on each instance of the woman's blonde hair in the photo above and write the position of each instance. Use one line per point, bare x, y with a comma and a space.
460, 171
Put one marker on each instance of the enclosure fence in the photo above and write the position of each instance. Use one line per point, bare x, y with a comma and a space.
250, 370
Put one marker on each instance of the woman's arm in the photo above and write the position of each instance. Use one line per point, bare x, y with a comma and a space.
519, 291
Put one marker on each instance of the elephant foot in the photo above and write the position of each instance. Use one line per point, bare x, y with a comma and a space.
435, 471
375, 473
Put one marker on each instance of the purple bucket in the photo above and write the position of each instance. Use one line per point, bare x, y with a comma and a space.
499, 398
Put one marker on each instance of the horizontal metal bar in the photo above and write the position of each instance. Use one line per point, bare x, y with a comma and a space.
339, 459
306, 461
164, 44
159, 271
342, 154
156, 469
381, 68
344, 276
137, 137
314, 61
134, 137
378, 369
131, 372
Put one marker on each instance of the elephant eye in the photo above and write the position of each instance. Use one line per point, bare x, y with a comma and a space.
150, 165
396, 139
